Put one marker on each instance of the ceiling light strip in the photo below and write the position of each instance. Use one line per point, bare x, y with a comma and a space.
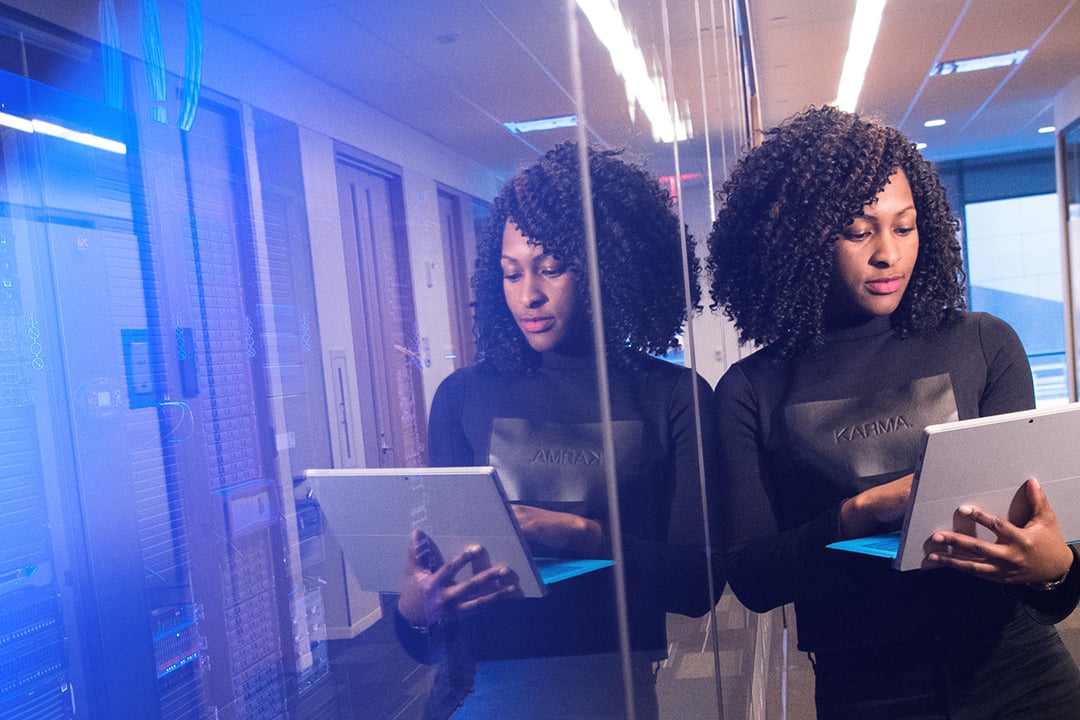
16, 122
59, 131
552, 123
610, 28
864, 30
986, 62
75, 136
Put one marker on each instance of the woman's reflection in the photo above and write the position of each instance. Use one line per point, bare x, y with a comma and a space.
530, 408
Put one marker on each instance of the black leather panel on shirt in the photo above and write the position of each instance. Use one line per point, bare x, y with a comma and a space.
559, 465
865, 440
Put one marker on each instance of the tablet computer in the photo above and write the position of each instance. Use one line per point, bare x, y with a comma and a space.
371, 514
984, 462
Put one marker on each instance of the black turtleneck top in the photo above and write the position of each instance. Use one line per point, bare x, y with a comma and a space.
798, 436
542, 432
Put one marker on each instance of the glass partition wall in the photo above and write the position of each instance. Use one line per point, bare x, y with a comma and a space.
237, 242
1068, 164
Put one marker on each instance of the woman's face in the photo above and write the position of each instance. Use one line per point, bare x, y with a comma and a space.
875, 254
539, 290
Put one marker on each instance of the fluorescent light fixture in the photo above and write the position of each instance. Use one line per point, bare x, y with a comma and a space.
54, 130
934, 123
82, 138
641, 87
16, 122
552, 123
920, 146
864, 30
1047, 129
980, 63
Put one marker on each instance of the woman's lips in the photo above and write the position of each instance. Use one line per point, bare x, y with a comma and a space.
884, 286
536, 325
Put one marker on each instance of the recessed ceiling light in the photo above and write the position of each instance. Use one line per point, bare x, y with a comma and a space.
937, 122
920, 146
1047, 129
551, 123
986, 62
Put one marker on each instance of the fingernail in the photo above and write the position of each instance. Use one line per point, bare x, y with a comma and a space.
938, 538
965, 510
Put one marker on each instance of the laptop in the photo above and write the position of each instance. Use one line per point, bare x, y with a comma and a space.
371, 514
984, 462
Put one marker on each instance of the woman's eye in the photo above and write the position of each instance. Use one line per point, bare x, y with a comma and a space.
552, 271
853, 235
511, 276
904, 231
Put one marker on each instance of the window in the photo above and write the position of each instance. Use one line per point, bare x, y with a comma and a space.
1014, 272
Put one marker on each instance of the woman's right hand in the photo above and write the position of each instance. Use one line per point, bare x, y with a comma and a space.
431, 593
860, 515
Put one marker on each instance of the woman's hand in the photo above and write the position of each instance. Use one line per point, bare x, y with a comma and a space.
431, 593
860, 515
564, 533
1033, 553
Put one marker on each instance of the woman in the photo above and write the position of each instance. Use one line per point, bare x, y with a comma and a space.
530, 407
836, 250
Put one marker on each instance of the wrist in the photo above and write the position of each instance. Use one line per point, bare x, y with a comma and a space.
590, 537
410, 611
420, 627
1051, 585
851, 524
1058, 581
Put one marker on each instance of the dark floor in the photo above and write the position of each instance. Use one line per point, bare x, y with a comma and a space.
376, 679
763, 676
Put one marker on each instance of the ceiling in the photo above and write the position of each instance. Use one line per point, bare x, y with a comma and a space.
987, 112
457, 70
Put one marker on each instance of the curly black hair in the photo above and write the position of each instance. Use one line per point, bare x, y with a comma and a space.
786, 202
638, 246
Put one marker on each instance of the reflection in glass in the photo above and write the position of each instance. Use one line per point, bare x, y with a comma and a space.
1069, 192
271, 276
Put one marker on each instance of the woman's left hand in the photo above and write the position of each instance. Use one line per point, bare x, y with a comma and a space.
1032, 553
571, 534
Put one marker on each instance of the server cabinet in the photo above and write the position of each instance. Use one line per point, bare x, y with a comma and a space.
148, 541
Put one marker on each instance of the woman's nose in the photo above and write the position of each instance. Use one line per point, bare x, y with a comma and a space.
532, 295
886, 250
